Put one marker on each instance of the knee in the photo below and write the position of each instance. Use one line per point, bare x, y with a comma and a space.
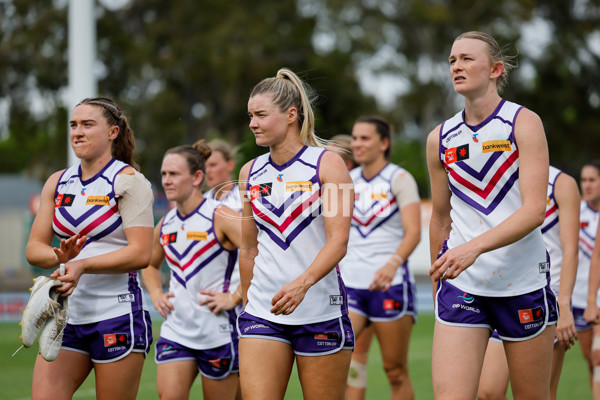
487, 394
397, 374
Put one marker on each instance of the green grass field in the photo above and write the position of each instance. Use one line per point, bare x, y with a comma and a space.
15, 372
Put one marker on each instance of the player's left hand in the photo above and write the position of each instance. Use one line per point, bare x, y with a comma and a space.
566, 334
454, 261
383, 277
73, 271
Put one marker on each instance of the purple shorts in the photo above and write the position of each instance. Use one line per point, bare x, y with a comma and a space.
216, 363
580, 323
112, 339
393, 304
515, 318
316, 339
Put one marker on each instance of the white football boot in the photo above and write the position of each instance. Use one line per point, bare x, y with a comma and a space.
52, 334
40, 308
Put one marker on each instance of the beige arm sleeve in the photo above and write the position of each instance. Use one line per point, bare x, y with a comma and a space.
135, 200
404, 188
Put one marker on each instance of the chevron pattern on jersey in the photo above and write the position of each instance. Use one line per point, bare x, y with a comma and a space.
284, 223
187, 257
586, 241
376, 214
95, 224
482, 189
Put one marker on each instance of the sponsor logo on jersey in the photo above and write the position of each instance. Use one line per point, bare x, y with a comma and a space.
97, 201
197, 236
544, 267
83, 191
336, 300
280, 178
583, 224
548, 200
467, 298
530, 315
168, 238
379, 196
126, 298
64, 200
113, 339
456, 154
261, 190
496, 145
224, 328
299, 186
475, 137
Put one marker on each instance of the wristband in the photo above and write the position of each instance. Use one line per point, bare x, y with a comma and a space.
398, 258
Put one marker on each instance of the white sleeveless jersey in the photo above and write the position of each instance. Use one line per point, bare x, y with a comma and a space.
482, 163
231, 200
287, 207
198, 261
90, 208
588, 224
551, 232
376, 230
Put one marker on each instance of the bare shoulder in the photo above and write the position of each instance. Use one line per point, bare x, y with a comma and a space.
333, 169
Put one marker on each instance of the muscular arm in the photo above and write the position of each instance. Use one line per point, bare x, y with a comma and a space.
533, 181
249, 245
567, 198
440, 223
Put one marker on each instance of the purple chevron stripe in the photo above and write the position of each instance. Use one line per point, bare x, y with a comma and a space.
549, 225
115, 225
480, 175
373, 205
585, 252
76, 221
289, 238
231, 259
178, 278
134, 287
492, 206
590, 235
193, 244
203, 264
376, 175
343, 292
278, 211
365, 234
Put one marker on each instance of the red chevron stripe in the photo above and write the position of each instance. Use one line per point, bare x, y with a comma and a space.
490, 186
62, 227
550, 211
386, 206
307, 203
183, 267
586, 244
113, 210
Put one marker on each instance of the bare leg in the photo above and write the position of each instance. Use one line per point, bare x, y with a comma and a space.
529, 363
265, 368
317, 385
174, 379
119, 379
220, 389
394, 338
60, 379
585, 341
493, 382
356, 389
457, 358
558, 356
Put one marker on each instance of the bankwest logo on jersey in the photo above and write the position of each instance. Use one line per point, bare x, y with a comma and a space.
530, 315
168, 238
262, 190
496, 145
112, 339
197, 236
97, 201
457, 154
64, 200
299, 186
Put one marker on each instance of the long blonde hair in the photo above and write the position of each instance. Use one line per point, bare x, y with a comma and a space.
288, 90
